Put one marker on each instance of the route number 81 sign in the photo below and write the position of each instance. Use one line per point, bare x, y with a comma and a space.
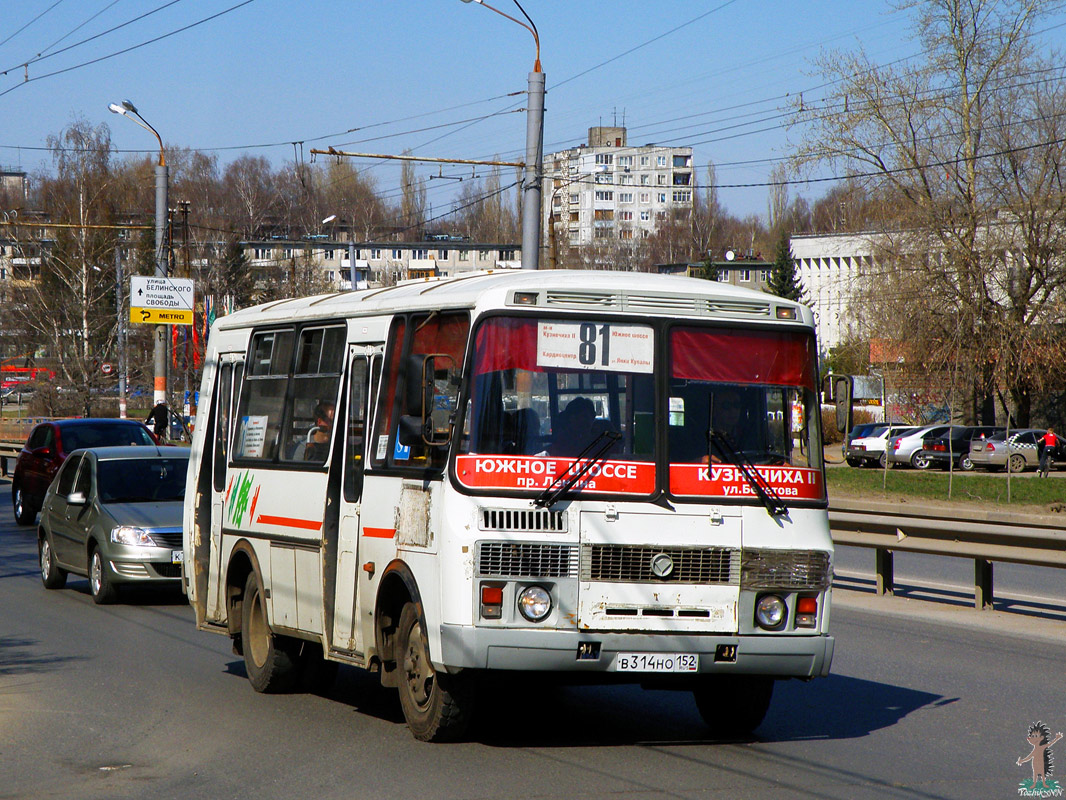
596, 346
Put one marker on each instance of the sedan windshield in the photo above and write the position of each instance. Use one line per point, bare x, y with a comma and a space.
141, 480
103, 434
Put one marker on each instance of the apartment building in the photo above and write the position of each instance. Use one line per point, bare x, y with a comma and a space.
359, 265
608, 190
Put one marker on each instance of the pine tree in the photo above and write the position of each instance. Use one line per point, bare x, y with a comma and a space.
783, 279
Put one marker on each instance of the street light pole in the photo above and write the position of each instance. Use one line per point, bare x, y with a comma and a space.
128, 110
534, 171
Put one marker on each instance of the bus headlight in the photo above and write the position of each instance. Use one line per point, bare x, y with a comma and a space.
770, 612
534, 603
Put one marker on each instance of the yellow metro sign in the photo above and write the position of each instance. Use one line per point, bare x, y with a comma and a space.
160, 316
156, 300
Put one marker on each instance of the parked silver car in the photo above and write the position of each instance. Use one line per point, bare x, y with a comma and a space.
1018, 453
113, 514
906, 449
870, 449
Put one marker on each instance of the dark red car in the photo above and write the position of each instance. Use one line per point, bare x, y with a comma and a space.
47, 447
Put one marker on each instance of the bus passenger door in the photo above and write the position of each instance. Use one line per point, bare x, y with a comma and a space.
227, 386
364, 372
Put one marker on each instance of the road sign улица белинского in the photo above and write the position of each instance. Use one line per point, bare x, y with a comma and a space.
161, 301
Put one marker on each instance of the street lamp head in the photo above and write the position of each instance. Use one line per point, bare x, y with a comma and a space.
329, 219
471, 1
126, 104
115, 108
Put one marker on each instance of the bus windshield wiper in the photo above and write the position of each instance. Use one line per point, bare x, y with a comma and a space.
766, 493
592, 455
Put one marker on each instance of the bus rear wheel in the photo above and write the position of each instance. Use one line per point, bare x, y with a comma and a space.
733, 705
271, 661
436, 706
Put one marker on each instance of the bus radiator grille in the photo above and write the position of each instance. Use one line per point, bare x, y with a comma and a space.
526, 560
633, 564
519, 520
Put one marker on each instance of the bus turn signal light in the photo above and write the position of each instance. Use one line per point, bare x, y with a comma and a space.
806, 612
491, 601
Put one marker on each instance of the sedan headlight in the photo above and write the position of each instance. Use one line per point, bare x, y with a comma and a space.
534, 603
137, 537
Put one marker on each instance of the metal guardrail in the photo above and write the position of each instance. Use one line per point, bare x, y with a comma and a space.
984, 536
9, 450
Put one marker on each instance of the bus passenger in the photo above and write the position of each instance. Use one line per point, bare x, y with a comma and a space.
576, 428
318, 436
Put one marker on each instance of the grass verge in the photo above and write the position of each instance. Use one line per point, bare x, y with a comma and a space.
975, 488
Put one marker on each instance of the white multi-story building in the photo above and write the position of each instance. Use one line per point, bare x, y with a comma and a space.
607, 190
831, 268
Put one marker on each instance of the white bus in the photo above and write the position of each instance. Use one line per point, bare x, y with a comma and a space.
604, 476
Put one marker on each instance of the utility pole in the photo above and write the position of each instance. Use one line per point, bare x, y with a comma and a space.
121, 333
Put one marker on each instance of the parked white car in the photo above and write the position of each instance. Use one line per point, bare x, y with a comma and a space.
870, 450
906, 449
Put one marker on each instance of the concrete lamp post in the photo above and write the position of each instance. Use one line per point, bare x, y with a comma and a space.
534, 172
128, 110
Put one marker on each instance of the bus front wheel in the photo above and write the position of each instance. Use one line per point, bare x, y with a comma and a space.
436, 706
271, 661
733, 705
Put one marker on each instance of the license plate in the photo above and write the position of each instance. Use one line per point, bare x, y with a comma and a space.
656, 662
177, 556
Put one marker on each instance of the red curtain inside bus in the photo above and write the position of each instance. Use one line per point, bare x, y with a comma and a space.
743, 356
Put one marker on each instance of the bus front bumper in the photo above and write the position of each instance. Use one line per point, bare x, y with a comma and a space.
783, 656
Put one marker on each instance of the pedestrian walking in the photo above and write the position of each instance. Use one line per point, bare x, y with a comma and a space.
158, 418
1047, 444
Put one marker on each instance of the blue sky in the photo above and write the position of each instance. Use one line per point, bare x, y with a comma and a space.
433, 76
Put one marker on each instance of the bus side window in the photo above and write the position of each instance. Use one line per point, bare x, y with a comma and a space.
263, 395
316, 379
222, 421
356, 436
442, 335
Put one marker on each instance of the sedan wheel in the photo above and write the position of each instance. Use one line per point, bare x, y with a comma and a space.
25, 513
965, 464
101, 586
882, 462
920, 460
1016, 463
52, 575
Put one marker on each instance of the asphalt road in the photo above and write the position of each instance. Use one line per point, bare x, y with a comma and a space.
131, 701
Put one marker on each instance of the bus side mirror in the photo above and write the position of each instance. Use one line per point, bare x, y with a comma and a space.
842, 396
429, 401
418, 399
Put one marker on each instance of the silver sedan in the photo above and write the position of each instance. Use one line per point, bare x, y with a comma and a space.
1018, 453
113, 514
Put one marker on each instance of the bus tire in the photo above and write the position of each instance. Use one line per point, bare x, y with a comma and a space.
269, 660
733, 705
436, 706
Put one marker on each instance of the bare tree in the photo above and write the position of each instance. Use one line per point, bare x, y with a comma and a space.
70, 305
413, 201
943, 138
249, 194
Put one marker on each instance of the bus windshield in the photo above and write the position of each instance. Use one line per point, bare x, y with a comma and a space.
544, 390
754, 391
